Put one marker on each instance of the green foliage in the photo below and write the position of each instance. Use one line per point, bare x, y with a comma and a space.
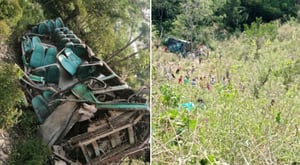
17, 16
253, 119
203, 20
258, 29
259, 33
10, 11
269, 9
235, 15
4, 31
164, 13
169, 96
29, 152
10, 14
194, 22
278, 117
10, 95
28, 124
31, 15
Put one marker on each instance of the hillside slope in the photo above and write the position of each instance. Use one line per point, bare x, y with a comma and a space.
246, 103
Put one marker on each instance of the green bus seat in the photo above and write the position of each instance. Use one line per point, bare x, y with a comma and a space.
41, 109
85, 71
75, 40
59, 23
35, 41
49, 73
79, 49
71, 36
26, 43
52, 74
62, 42
37, 56
43, 28
70, 61
81, 91
51, 25
50, 56
63, 30
41, 105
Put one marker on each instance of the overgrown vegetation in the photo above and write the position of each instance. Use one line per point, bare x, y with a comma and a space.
10, 95
203, 21
29, 152
253, 118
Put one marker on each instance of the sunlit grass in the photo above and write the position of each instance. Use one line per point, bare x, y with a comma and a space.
236, 126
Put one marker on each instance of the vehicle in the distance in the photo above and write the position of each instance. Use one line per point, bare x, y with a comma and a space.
176, 45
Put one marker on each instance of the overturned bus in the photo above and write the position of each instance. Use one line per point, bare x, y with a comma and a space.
175, 45
87, 113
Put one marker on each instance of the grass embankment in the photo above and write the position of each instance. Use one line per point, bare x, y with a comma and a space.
253, 119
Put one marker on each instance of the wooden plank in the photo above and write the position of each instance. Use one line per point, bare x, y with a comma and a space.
131, 135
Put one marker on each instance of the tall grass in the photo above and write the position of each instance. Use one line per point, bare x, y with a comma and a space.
253, 120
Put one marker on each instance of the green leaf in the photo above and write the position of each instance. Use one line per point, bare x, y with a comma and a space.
212, 159
278, 117
173, 113
193, 124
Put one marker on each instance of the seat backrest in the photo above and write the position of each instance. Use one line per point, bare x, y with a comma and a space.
37, 56
81, 91
59, 23
52, 74
41, 109
79, 49
69, 61
43, 28
49, 73
50, 56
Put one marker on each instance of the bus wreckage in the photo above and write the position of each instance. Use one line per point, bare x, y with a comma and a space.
87, 114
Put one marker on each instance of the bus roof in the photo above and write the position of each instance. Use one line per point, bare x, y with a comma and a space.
178, 39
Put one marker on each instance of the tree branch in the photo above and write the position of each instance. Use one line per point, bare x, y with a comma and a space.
123, 48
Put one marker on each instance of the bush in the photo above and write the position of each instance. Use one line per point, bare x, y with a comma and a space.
29, 152
4, 30
10, 95
10, 11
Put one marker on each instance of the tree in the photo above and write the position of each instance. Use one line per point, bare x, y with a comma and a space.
236, 15
164, 13
196, 19
269, 10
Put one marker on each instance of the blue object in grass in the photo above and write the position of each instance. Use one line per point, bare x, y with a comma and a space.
188, 106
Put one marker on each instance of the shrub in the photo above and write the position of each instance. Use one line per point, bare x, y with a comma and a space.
10, 95
4, 30
10, 11
29, 152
